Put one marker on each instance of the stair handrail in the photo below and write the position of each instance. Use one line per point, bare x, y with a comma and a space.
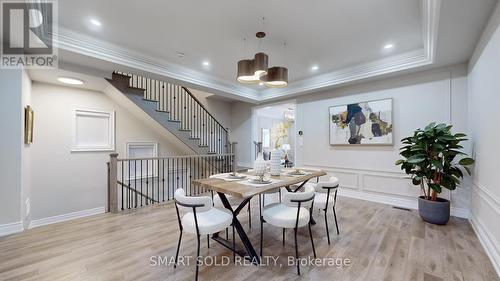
202, 106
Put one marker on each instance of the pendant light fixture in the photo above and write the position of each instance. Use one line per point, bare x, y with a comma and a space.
256, 70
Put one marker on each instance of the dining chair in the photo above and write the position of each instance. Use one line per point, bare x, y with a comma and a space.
295, 211
323, 199
200, 218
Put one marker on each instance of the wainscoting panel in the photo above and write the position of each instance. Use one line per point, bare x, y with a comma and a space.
485, 214
387, 187
389, 183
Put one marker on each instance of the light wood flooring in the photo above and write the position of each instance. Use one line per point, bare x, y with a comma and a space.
382, 243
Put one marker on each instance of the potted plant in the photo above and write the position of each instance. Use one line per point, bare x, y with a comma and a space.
430, 161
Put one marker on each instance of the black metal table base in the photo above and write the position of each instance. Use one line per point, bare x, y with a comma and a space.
250, 252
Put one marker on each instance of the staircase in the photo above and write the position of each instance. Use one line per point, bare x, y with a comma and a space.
177, 110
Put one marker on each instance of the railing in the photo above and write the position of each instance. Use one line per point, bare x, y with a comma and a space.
140, 182
185, 108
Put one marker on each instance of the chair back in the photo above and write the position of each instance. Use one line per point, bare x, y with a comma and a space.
201, 203
324, 186
306, 198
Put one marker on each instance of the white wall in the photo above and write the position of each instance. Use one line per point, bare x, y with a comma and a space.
484, 117
220, 109
26, 156
65, 181
241, 132
368, 172
11, 128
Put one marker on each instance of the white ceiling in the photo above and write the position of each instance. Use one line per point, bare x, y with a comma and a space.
345, 38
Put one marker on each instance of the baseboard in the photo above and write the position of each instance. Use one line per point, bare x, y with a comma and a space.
66, 217
409, 203
11, 228
490, 245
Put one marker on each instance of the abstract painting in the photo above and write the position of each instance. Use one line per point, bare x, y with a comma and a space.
368, 122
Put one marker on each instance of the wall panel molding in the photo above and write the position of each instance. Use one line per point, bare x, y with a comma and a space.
362, 190
489, 240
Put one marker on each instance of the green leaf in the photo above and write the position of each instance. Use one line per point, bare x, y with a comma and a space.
399, 162
466, 161
468, 170
437, 164
416, 181
430, 126
415, 159
460, 135
435, 187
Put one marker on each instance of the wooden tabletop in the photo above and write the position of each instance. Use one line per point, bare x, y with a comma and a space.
243, 189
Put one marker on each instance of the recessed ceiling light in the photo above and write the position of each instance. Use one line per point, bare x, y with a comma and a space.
388, 46
314, 67
69, 80
206, 63
95, 22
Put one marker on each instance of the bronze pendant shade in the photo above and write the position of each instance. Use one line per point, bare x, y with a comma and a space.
251, 71
260, 64
277, 77
246, 72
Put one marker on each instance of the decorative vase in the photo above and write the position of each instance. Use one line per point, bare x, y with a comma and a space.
435, 212
276, 162
259, 166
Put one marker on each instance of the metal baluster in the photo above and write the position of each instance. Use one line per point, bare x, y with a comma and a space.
158, 180
142, 179
163, 179
123, 182
147, 182
135, 181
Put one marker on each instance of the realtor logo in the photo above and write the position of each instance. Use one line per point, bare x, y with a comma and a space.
27, 35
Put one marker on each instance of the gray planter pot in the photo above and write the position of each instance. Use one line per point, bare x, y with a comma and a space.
435, 212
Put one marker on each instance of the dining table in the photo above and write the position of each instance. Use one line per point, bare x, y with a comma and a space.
245, 187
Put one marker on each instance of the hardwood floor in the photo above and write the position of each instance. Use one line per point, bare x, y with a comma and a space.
380, 242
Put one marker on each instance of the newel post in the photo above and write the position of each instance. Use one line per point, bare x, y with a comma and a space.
233, 151
113, 185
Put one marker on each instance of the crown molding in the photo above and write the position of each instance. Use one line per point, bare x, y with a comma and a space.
77, 43
74, 42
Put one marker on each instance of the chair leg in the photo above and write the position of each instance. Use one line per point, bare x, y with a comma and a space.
234, 247
312, 241
178, 247
227, 234
197, 258
249, 216
336, 224
326, 224
296, 251
208, 241
283, 237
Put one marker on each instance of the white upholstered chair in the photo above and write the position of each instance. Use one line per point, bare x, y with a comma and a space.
326, 195
294, 212
200, 218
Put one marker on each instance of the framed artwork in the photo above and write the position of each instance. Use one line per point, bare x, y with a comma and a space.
362, 123
29, 116
265, 137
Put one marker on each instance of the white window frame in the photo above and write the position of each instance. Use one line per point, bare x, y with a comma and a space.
89, 113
